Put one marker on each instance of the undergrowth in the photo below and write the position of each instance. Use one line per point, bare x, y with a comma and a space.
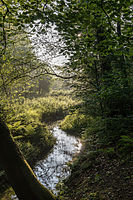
27, 124
74, 123
105, 163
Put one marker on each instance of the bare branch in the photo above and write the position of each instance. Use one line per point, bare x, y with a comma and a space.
107, 16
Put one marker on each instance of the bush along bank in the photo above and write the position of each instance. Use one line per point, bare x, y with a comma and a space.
74, 123
51, 108
103, 169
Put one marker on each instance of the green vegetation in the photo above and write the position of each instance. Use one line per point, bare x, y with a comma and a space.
96, 37
18, 170
74, 123
27, 123
105, 161
27, 120
42, 109
98, 40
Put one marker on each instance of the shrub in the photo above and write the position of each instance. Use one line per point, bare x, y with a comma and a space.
109, 130
74, 123
126, 147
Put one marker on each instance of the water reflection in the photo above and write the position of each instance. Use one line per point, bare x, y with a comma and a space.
54, 168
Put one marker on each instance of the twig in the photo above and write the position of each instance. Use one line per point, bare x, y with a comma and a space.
107, 16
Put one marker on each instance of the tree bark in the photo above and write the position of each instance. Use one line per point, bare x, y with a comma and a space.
20, 175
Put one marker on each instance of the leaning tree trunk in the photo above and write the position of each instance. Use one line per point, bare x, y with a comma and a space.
20, 175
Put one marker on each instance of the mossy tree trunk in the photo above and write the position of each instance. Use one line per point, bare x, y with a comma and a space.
20, 175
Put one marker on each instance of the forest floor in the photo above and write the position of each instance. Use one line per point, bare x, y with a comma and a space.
99, 175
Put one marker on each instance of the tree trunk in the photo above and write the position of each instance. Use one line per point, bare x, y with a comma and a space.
20, 175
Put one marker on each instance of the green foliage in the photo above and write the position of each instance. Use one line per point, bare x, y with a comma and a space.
36, 145
25, 123
40, 87
27, 117
109, 130
126, 147
53, 108
126, 139
20, 69
98, 41
30, 152
97, 37
74, 123
61, 92
19, 66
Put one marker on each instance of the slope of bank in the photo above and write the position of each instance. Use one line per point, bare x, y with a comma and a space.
99, 176
103, 170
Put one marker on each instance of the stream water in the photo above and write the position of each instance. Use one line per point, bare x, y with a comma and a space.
54, 167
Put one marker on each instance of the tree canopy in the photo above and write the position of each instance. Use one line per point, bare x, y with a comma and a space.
98, 40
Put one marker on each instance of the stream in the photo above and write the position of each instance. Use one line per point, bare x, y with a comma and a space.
54, 168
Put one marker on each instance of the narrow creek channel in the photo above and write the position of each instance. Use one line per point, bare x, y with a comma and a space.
54, 168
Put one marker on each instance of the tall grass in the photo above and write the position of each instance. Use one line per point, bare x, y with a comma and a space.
48, 108
27, 122
74, 123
